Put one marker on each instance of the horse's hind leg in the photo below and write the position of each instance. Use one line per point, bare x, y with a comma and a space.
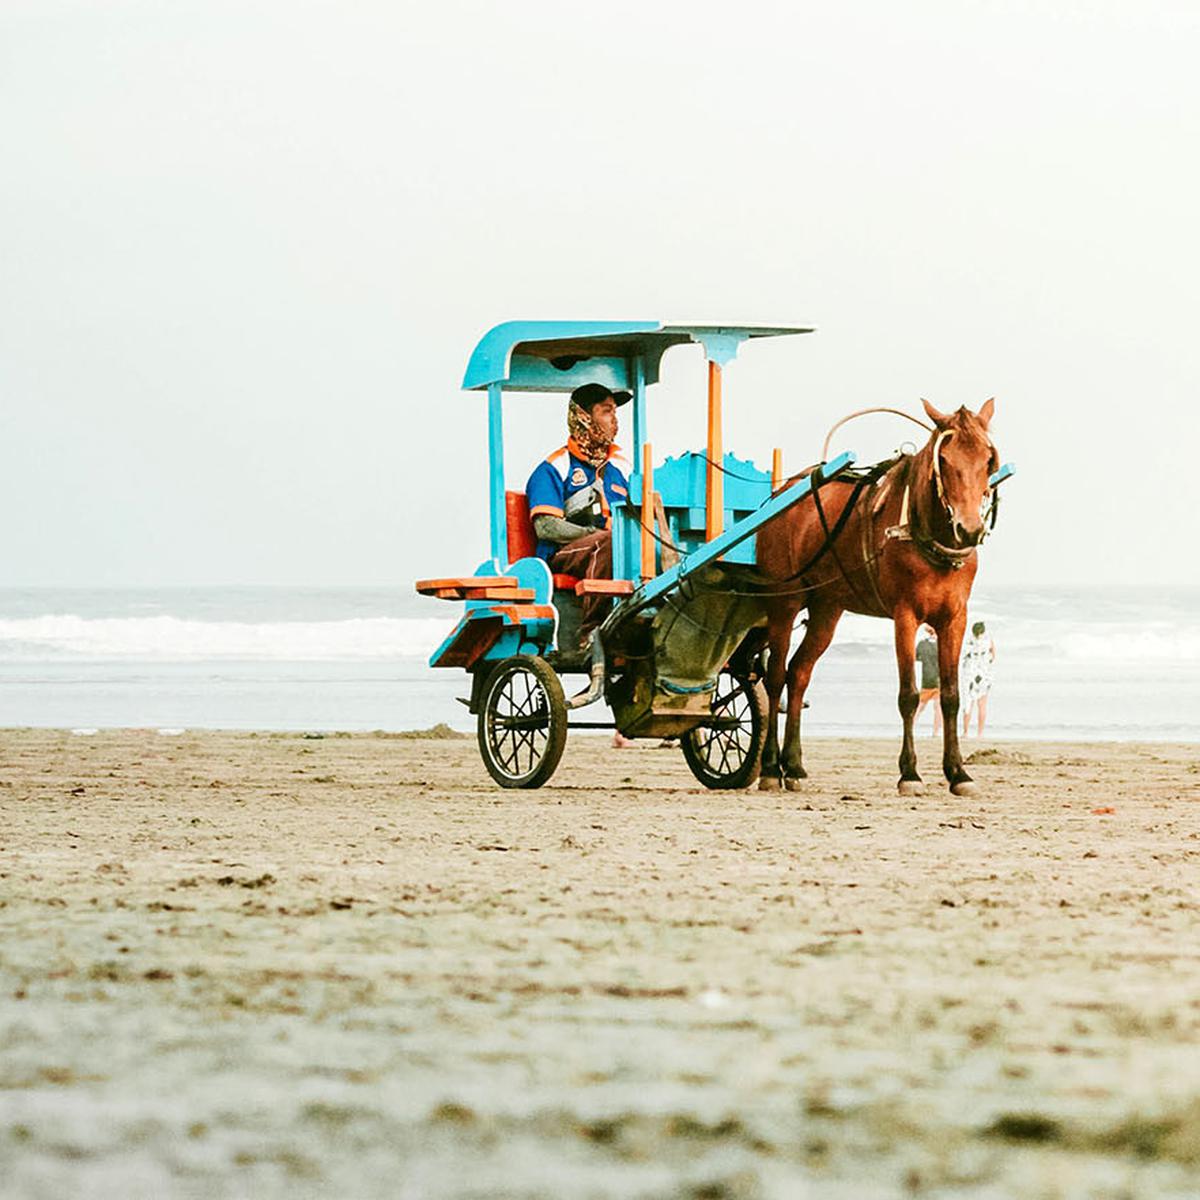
821, 625
779, 633
905, 628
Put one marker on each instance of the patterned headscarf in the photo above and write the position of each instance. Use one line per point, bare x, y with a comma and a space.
586, 441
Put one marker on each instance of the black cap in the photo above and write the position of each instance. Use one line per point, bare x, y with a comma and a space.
589, 394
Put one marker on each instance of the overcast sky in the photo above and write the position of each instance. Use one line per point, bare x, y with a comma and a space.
246, 249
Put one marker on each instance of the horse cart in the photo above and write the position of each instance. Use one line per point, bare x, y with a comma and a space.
680, 652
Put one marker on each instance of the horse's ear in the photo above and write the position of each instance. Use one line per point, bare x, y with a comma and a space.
985, 413
939, 419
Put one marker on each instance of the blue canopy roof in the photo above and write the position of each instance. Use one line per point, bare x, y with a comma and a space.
557, 356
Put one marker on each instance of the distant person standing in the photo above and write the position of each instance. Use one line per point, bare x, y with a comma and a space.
931, 681
975, 676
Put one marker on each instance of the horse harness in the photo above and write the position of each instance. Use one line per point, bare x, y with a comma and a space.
867, 480
874, 481
945, 558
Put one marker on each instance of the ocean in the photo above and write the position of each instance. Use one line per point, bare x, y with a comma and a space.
1090, 664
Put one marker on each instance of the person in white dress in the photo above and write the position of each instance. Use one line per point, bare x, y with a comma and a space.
975, 676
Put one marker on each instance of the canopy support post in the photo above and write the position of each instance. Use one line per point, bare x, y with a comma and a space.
499, 517
647, 512
714, 486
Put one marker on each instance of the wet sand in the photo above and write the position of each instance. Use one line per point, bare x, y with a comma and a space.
275, 965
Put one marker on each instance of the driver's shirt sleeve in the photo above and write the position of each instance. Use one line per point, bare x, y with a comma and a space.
545, 491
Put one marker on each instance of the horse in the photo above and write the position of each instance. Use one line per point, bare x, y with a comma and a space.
899, 542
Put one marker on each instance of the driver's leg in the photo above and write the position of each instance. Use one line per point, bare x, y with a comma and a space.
587, 557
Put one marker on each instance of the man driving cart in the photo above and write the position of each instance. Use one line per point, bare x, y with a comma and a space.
572, 492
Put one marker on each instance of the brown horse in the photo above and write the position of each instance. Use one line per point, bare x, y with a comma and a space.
905, 550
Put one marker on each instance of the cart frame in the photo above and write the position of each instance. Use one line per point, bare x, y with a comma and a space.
514, 636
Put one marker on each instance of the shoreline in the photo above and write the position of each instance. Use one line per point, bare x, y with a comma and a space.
924, 738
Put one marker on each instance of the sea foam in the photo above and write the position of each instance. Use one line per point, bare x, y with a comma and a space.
178, 639
175, 639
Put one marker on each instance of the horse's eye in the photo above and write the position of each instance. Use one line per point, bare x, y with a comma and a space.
993, 462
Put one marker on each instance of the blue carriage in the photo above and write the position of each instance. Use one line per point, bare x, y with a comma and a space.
679, 654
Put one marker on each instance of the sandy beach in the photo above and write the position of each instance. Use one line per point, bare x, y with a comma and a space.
276, 964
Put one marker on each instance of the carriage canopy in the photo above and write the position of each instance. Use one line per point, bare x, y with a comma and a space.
557, 356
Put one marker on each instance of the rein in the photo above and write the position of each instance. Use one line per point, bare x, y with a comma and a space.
862, 412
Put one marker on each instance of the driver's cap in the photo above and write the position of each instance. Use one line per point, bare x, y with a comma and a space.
589, 394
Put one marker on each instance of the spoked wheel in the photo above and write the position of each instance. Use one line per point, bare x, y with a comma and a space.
728, 753
522, 723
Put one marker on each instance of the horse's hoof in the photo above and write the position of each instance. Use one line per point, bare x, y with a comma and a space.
910, 787
793, 784
964, 787
769, 783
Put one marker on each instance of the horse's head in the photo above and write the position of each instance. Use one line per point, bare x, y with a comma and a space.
962, 457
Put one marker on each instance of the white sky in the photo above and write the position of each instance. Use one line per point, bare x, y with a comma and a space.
246, 249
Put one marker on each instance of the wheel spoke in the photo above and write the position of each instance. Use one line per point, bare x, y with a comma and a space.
724, 757
513, 761
714, 751
710, 748
502, 756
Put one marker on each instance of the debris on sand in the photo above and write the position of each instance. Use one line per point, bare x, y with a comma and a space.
1172, 1136
1024, 1127
259, 881
440, 732
992, 755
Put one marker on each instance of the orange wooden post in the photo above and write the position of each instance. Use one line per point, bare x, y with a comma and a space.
714, 491
776, 469
648, 571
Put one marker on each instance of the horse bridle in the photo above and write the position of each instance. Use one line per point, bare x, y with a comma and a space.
933, 551
987, 510
936, 552
987, 514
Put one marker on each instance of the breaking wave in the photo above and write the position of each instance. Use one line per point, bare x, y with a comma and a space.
1049, 640
179, 639
175, 639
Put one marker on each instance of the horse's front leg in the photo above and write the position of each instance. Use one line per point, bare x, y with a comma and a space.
905, 627
779, 632
949, 639
821, 625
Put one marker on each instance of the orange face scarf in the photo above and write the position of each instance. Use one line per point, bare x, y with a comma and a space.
586, 442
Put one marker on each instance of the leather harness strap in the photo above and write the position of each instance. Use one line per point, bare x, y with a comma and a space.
870, 553
877, 481
818, 477
830, 536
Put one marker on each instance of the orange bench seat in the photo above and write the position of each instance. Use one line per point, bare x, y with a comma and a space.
457, 587
604, 587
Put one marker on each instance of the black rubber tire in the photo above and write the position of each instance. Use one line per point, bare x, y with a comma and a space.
730, 758
522, 688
